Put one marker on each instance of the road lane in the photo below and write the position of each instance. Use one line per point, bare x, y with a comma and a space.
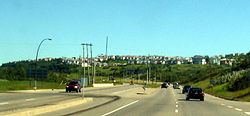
163, 102
208, 107
104, 101
172, 102
18, 100
159, 104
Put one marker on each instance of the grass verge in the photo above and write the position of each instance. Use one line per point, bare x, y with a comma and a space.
222, 92
152, 85
28, 85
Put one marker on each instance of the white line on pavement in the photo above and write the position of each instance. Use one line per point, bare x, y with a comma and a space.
230, 106
176, 106
120, 108
31, 99
222, 104
176, 111
176, 102
248, 113
4, 103
238, 109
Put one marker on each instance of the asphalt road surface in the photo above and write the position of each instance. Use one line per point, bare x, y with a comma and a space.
163, 102
129, 100
10, 101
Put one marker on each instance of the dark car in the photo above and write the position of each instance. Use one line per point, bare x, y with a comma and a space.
164, 85
185, 88
195, 93
176, 85
73, 86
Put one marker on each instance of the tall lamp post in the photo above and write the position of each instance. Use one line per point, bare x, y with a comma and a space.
36, 60
92, 63
83, 57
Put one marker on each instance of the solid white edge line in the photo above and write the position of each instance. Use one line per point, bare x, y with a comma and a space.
176, 111
248, 113
4, 103
120, 108
238, 109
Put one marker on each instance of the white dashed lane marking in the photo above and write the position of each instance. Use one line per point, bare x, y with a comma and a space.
222, 104
176, 111
31, 99
230, 106
4, 103
238, 109
248, 113
176, 106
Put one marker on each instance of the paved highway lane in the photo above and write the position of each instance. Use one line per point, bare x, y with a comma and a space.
29, 99
160, 104
125, 100
211, 106
16, 101
172, 102
169, 102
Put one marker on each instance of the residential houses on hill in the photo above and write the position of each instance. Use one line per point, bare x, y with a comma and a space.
118, 60
129, 59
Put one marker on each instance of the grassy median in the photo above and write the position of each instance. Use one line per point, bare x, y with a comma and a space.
27, 85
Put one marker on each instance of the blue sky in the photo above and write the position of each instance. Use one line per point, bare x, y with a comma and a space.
134, 27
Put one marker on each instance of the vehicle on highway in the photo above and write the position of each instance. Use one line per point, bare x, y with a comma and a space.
176, 85
164, 85
195, 93
185, 88
73, 85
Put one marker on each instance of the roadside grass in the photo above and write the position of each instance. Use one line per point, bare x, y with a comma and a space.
28, 85
202, 84
221, 91
246, 98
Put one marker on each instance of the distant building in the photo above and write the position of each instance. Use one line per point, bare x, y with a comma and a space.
198, 59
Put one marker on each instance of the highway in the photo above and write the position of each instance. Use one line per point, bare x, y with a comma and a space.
159, 103
130, 100
15, 100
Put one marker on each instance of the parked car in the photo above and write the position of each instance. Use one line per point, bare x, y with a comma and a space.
195, 93
176, 85
164, 85
185, 88
73, 86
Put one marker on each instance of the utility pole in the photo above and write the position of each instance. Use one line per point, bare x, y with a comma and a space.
106, 53
91, 63
83, 59
88, 62
147, 72
149, 69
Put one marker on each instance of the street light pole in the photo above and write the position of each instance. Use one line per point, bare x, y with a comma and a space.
83, 59
88, 62
91, 63
89, 46
36, 60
